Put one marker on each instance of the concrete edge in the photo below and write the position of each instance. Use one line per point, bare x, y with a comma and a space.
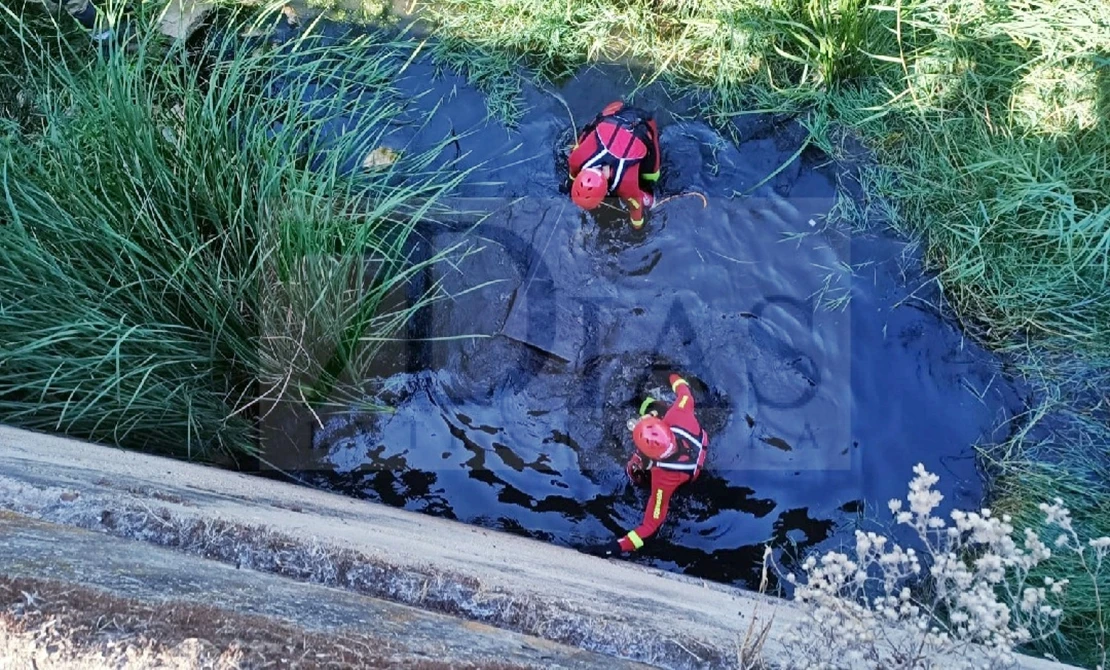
186, 596
608, 607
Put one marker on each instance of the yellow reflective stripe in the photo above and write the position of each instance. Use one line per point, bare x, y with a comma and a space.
658, 503
638, 224
634, 202
682, 403
651, 176
674, 386
635, 539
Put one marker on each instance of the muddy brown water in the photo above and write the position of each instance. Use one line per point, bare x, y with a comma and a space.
819, 364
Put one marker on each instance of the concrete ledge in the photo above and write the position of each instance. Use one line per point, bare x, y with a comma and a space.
607, 607
245, 601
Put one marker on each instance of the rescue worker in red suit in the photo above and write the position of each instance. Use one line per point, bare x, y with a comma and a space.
670, 452
617, 154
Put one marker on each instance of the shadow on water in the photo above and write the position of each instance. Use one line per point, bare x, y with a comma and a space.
819, 367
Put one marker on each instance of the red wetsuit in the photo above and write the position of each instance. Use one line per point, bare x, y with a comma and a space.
682, 467
625, 140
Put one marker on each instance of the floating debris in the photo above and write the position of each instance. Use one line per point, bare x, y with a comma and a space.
379, 158
778, 443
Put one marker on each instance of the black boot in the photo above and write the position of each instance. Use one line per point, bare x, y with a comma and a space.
87, 17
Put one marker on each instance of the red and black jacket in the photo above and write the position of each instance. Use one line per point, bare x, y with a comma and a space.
680, 468
626, 140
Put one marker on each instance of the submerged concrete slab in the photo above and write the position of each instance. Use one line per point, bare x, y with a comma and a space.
545, 321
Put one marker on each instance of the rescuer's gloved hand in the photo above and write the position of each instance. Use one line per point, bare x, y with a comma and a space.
651, 405
635, 469
611, 548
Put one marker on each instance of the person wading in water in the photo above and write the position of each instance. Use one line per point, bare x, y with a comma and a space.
670, 452
617, 154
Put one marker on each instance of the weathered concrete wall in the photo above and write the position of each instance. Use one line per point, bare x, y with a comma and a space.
607, 607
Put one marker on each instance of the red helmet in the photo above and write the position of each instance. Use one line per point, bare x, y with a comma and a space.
589, 188
654, 438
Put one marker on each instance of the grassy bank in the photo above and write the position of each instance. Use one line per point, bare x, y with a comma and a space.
989, 123
182, 249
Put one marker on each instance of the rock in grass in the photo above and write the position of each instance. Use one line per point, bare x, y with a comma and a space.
182, 17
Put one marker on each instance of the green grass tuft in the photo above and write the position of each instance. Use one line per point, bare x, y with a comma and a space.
181, 245
990, 117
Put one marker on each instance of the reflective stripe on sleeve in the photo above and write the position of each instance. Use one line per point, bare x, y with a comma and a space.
635, 539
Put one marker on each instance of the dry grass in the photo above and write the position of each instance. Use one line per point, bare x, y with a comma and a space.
749, 651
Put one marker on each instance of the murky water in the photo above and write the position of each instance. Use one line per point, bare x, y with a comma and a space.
819, 368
